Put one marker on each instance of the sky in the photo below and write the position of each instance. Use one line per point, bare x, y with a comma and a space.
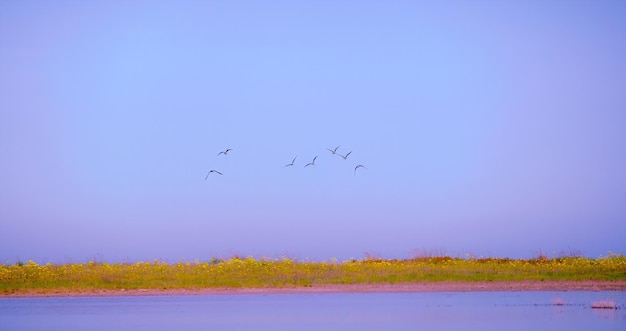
485, 128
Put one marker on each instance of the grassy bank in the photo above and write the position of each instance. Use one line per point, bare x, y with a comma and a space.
262, 273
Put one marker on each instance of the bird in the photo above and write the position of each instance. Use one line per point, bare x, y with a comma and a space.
357, 167
224, 152
290, 164
312, 163
334, 151
210, 171
345, 157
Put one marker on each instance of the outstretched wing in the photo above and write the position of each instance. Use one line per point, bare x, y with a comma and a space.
210, 171
357, 167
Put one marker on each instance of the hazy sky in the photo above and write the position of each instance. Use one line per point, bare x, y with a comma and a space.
491, 128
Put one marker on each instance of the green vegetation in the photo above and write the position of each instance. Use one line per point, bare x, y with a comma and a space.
263, 273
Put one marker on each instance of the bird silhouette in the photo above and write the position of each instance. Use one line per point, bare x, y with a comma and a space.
290, 164
345, 157
224, 152
312, 163
210, 171
334, 151
357, 167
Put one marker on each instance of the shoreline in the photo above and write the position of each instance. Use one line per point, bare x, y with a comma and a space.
422, 287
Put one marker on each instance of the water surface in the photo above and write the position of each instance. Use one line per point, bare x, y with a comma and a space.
347, 311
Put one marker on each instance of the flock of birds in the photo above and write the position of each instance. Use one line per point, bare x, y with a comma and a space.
293, 162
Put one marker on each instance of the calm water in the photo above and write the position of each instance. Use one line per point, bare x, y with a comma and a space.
356, 311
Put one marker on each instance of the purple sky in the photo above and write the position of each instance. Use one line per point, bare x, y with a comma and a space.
486, 128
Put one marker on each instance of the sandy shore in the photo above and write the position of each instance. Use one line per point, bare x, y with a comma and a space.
358, 288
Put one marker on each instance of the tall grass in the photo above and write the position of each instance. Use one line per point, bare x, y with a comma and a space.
261, 273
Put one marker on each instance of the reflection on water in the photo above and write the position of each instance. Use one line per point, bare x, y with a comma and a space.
351, 311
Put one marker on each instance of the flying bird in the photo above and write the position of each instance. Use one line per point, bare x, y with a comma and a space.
210, 171
312, 163
334, 151
357, 167
345, 157
290, 164
224, 152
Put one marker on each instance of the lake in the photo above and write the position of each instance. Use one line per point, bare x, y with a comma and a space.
344, 311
